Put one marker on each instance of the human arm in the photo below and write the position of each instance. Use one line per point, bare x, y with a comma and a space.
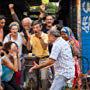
75, 48
52, 58
1, 88
13, 66
13, 13
42, 11
42, 65
26, 42
7, 38
44, 45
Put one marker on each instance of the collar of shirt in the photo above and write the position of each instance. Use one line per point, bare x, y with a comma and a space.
57, 39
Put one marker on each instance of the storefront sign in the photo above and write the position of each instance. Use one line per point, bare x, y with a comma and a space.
85, 35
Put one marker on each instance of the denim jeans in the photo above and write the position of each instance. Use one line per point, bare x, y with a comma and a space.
59, 83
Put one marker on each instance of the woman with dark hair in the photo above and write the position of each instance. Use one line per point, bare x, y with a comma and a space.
68, 35
2, 24
16, 37
11, 66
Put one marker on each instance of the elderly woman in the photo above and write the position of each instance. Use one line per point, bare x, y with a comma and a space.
16, 37
67, 35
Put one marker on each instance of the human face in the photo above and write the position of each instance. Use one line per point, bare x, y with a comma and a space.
2, 23
51, 38
26, 25
37, 28
64, 36
14, 47
49, 21
14, 30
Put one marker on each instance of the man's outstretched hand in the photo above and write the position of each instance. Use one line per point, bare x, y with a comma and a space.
34, 67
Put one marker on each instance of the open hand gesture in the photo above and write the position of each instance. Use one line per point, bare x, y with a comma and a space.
34, 67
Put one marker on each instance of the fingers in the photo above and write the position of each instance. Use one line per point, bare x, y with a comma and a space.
34, 67
34, 63
29, 37
42, 7
31, 70
11, 6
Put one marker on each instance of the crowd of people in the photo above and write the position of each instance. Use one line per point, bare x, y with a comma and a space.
57, 49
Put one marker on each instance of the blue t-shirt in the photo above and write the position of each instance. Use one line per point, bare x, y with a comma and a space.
7, 73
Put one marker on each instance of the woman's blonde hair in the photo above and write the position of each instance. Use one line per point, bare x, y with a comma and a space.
14, 24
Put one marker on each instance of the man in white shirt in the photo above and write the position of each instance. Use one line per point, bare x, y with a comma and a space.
61, 57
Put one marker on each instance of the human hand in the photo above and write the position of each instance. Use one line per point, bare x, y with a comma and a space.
42, 7
29, 37
38, 35
72, 42
1, 88
34, 67
10, 34
22, 34
11, 6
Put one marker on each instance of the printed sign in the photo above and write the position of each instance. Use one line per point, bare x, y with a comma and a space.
85, 35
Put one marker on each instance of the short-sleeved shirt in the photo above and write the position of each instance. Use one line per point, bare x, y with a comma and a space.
7, 73
18, 41
62, 54
37, 47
